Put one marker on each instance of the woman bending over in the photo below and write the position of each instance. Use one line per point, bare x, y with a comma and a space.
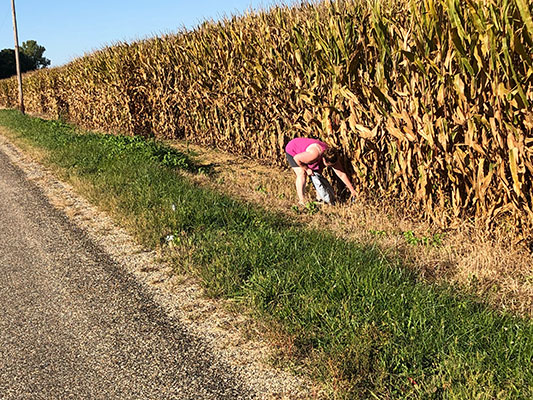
308, 157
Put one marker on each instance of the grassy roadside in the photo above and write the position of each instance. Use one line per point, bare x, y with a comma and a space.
363, 321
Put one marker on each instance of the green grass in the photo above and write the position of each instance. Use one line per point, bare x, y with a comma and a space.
365, 323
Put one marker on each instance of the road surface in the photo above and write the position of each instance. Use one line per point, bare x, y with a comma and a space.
73, 324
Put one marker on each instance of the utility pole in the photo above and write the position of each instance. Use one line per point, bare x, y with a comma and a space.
17, 58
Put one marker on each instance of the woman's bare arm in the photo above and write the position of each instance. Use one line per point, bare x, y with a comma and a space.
309, 156
343, 176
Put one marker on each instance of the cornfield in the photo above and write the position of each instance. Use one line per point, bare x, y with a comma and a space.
429, 100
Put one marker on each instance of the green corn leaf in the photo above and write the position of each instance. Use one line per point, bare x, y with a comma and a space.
523, 7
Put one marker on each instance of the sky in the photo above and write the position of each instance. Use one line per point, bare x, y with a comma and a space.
71, 28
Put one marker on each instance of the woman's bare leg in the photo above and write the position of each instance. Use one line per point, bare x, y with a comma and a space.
301, 180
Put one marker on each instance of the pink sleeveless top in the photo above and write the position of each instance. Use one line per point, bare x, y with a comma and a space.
299, 145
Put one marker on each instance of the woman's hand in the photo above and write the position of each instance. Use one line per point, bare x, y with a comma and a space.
339, 170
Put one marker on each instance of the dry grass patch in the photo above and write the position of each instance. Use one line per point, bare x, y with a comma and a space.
491, 265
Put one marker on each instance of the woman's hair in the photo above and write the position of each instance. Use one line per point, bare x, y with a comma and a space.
331, 155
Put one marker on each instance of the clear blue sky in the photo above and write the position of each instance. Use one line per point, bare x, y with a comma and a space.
71, 28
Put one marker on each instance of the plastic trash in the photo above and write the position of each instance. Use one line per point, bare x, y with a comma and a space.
323, 188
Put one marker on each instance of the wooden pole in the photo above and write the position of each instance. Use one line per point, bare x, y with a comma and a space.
17, 58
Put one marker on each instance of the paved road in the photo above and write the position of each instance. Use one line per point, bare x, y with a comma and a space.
74, 325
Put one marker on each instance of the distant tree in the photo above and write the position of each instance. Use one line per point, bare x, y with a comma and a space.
31, 58
35, 53
7, 63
